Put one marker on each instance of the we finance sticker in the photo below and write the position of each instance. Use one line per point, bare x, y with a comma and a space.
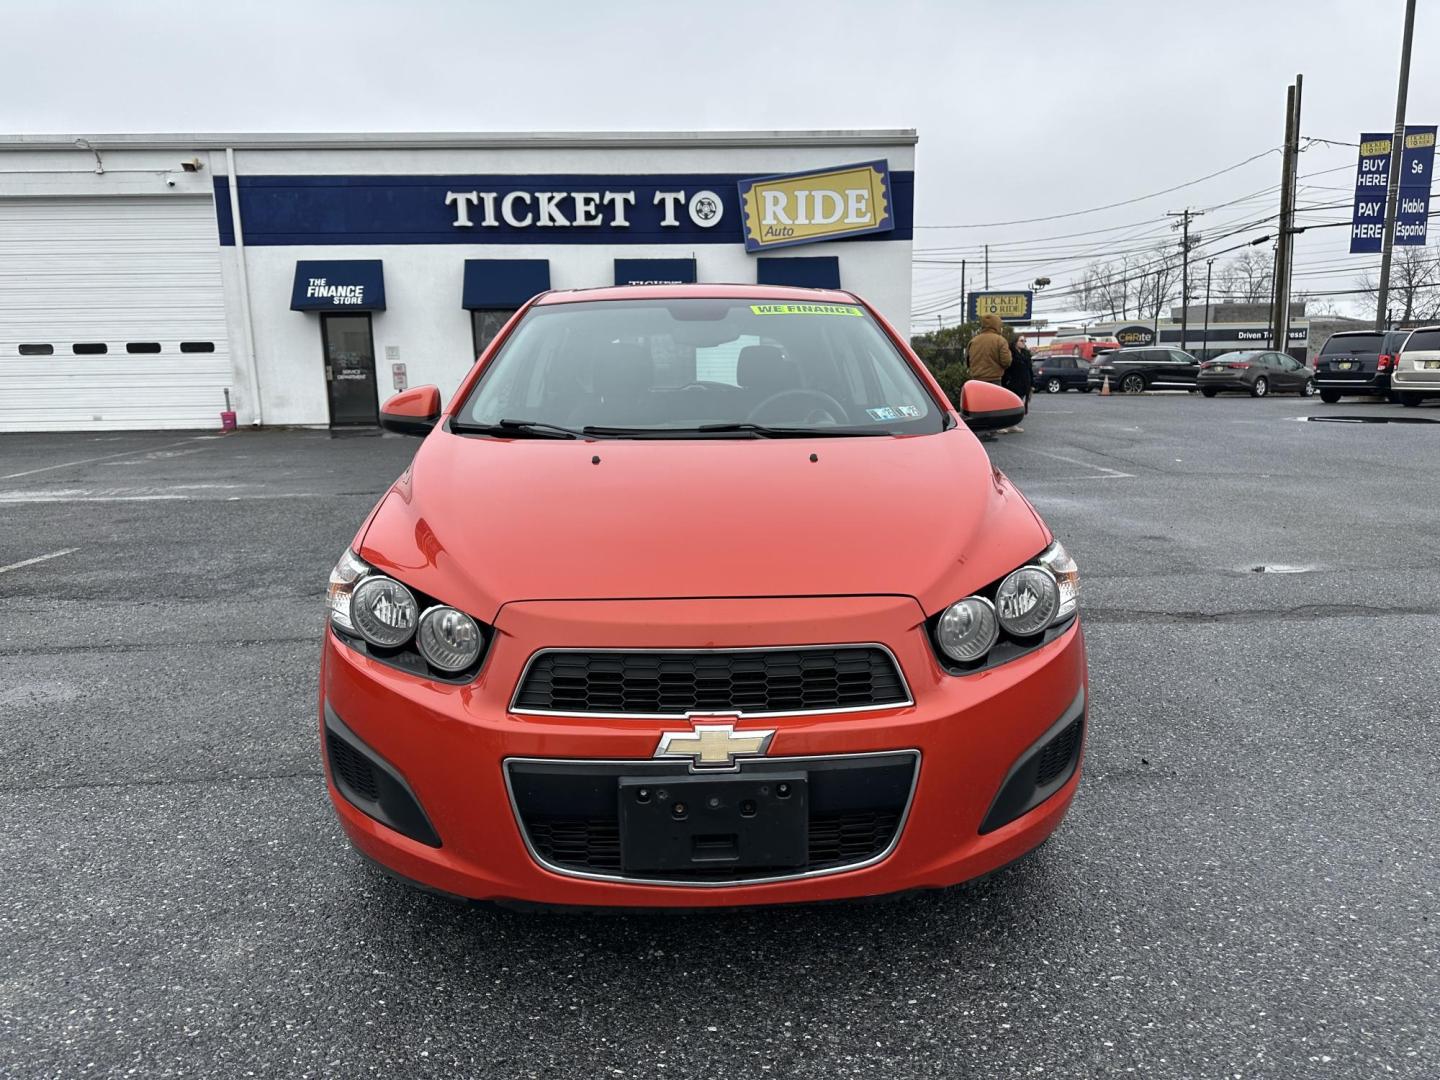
805, 309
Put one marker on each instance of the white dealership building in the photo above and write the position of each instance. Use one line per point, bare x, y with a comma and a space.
142, 277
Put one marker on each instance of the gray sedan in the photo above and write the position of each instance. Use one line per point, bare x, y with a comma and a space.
1256, 373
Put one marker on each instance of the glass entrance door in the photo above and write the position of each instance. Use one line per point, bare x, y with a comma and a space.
350, 369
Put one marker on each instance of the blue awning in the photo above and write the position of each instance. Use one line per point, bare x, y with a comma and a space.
492, 284
338, 285
821, 272
654, 271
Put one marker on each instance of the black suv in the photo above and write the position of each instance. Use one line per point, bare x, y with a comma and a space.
1055, 374
1134, 370
1357, 362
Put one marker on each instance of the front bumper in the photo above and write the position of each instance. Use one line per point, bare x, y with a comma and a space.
454, 748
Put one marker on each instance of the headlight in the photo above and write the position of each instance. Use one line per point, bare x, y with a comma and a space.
1027, 601
347, 572
383, 611
448, 639
967, 629
1067, 575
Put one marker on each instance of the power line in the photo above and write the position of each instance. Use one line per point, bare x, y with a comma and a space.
1108, 206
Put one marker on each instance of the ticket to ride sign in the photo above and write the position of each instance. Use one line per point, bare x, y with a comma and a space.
823, 204
1014, 306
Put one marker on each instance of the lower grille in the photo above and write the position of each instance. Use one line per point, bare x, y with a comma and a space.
569, 812
1056, 756
593, 844
673, 683
352, 767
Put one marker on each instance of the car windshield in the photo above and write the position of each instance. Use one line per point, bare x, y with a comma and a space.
699, 367
1231, 357
1353, 343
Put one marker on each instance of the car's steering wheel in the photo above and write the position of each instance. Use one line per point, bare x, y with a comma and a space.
828, 409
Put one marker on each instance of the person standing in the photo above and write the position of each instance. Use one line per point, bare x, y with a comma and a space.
1019, 377
989, 353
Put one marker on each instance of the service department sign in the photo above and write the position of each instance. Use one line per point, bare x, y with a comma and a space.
827, 204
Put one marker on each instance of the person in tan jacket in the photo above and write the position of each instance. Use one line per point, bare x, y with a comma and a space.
989, 352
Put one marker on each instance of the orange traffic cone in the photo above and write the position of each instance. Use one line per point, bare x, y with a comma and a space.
1105, 387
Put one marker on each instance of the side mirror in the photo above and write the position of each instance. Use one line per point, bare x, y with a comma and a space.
412, 412
986, 407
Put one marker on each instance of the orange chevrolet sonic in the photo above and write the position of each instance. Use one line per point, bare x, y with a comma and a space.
696, 596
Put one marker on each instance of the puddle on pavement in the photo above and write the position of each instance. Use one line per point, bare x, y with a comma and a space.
1373, 419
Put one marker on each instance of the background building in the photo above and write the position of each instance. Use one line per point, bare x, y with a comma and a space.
132, 295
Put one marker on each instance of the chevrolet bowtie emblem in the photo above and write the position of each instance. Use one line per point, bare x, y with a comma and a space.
713, 745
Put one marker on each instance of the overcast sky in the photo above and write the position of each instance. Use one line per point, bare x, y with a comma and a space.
1024, 109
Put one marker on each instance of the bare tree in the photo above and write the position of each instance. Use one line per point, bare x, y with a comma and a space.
1414, 284
1138, 283
1246, 279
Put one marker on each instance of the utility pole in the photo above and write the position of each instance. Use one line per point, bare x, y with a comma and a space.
1159, 278
964, 297
1205, 348
1280, 309
1185, 216
1392, 193
987, 266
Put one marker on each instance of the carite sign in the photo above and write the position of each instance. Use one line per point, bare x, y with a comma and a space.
1372, 184
827, 204
1014, 306
1136, 336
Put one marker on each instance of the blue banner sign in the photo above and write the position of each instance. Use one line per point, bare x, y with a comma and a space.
1372, 184
1417, 164
338, 285
1372, 179
688, 209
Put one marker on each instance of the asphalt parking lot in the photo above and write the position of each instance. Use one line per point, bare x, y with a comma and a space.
1248, 884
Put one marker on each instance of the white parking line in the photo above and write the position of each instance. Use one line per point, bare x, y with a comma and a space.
37, 559
88, 461
1108, 474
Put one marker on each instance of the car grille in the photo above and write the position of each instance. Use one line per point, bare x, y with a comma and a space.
569, 812
665, 683
1055, 758
352, 767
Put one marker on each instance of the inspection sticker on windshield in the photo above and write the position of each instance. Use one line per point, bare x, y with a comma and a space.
805, 309
884, 412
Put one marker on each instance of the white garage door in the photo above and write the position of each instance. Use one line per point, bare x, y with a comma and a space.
112, 314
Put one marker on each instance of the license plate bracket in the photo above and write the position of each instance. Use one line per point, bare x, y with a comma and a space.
692, 823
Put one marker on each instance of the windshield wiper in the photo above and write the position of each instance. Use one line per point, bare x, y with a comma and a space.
537, 429
767, 432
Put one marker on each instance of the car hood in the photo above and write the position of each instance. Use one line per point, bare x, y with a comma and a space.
480, 522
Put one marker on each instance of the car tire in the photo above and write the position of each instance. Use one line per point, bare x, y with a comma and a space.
1209, 392
1409, 400
1308, 390
1132, 384
1260, 387
1052, 386
1330, 397
1085, 389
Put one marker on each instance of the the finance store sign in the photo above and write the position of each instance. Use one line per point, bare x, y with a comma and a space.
849, 201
